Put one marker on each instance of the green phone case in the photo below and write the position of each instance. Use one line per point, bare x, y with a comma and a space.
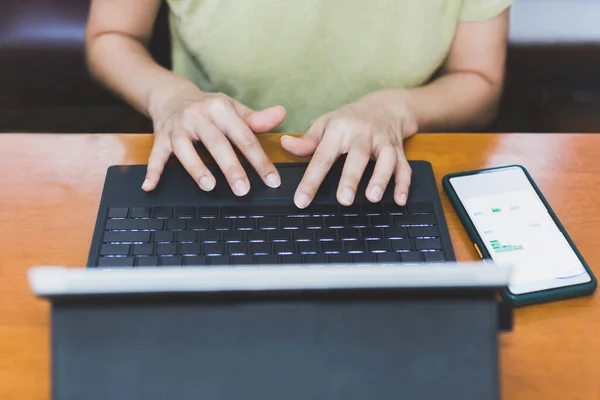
543, 296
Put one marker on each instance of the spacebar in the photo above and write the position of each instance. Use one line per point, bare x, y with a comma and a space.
260, 211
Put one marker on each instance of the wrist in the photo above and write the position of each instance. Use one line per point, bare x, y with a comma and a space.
400, 104
163, 94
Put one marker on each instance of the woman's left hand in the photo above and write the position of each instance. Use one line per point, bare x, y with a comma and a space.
375, 125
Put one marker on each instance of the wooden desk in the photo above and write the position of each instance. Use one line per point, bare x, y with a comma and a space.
50, 187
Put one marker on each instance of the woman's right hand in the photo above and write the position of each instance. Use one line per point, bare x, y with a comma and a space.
217, 121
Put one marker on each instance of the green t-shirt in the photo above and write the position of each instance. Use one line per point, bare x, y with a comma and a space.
314, 56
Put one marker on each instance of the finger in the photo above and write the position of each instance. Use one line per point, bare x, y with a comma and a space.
387, 158
354, 168
327, 152
261, 121
240, 134
219, 147
189, 158
305, 145
161, 151
403, 175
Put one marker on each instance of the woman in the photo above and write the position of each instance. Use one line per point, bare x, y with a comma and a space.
357, 75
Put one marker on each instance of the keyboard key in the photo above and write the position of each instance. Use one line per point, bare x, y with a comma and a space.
334, 222
208, 236
358, 222
245, 224
379, 246
187, 236
166, 249
313, 223
316, 259
395, 233
332, 247
134, 224
393, 209
434, 256
411, 257
199, 224
355, 246
291, 223
126, 237
221, 224
308, 247
118, 212
237, 248
256, 236
414, 220
322, 210
325, 234
115, 250
372, 209
372, 233
349, 234
279, 236
284, 248
143, 249
115, 262
260, 248
176, 261
268, 223
363, 258
144, 262
420, 207
340, 258
401, 245
162, 212
267, 259
389, 257
195, 261
233, 236
190, 249
139, 212
382, 221
292, 259
176, 224
164, 237
243, 260
207, 212
423, 231
219, 260
185, 212
302, 235
213, 249
353, 210
428, 244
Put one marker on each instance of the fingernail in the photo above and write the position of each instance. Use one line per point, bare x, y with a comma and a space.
273, 180
240, 187
376, 193
301, 200
145, 184
206, 183
403, 199
346, 196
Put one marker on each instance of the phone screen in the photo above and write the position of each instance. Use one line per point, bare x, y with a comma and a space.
518, 230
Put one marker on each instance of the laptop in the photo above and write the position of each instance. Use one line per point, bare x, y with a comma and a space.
180, 225
336, 331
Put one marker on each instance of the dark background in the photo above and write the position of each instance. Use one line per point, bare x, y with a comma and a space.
552, 84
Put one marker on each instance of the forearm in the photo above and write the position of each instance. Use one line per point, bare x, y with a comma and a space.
455, 101
124, 65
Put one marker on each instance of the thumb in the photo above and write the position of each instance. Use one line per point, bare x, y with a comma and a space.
261, 121
305, 145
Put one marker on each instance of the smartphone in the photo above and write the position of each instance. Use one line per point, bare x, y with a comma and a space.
510, 222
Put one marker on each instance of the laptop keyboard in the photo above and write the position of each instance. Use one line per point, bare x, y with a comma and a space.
237, 235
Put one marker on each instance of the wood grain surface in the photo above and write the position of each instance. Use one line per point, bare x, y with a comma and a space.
50, 188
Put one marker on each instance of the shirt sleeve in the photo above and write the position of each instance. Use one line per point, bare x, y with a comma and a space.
481, 10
